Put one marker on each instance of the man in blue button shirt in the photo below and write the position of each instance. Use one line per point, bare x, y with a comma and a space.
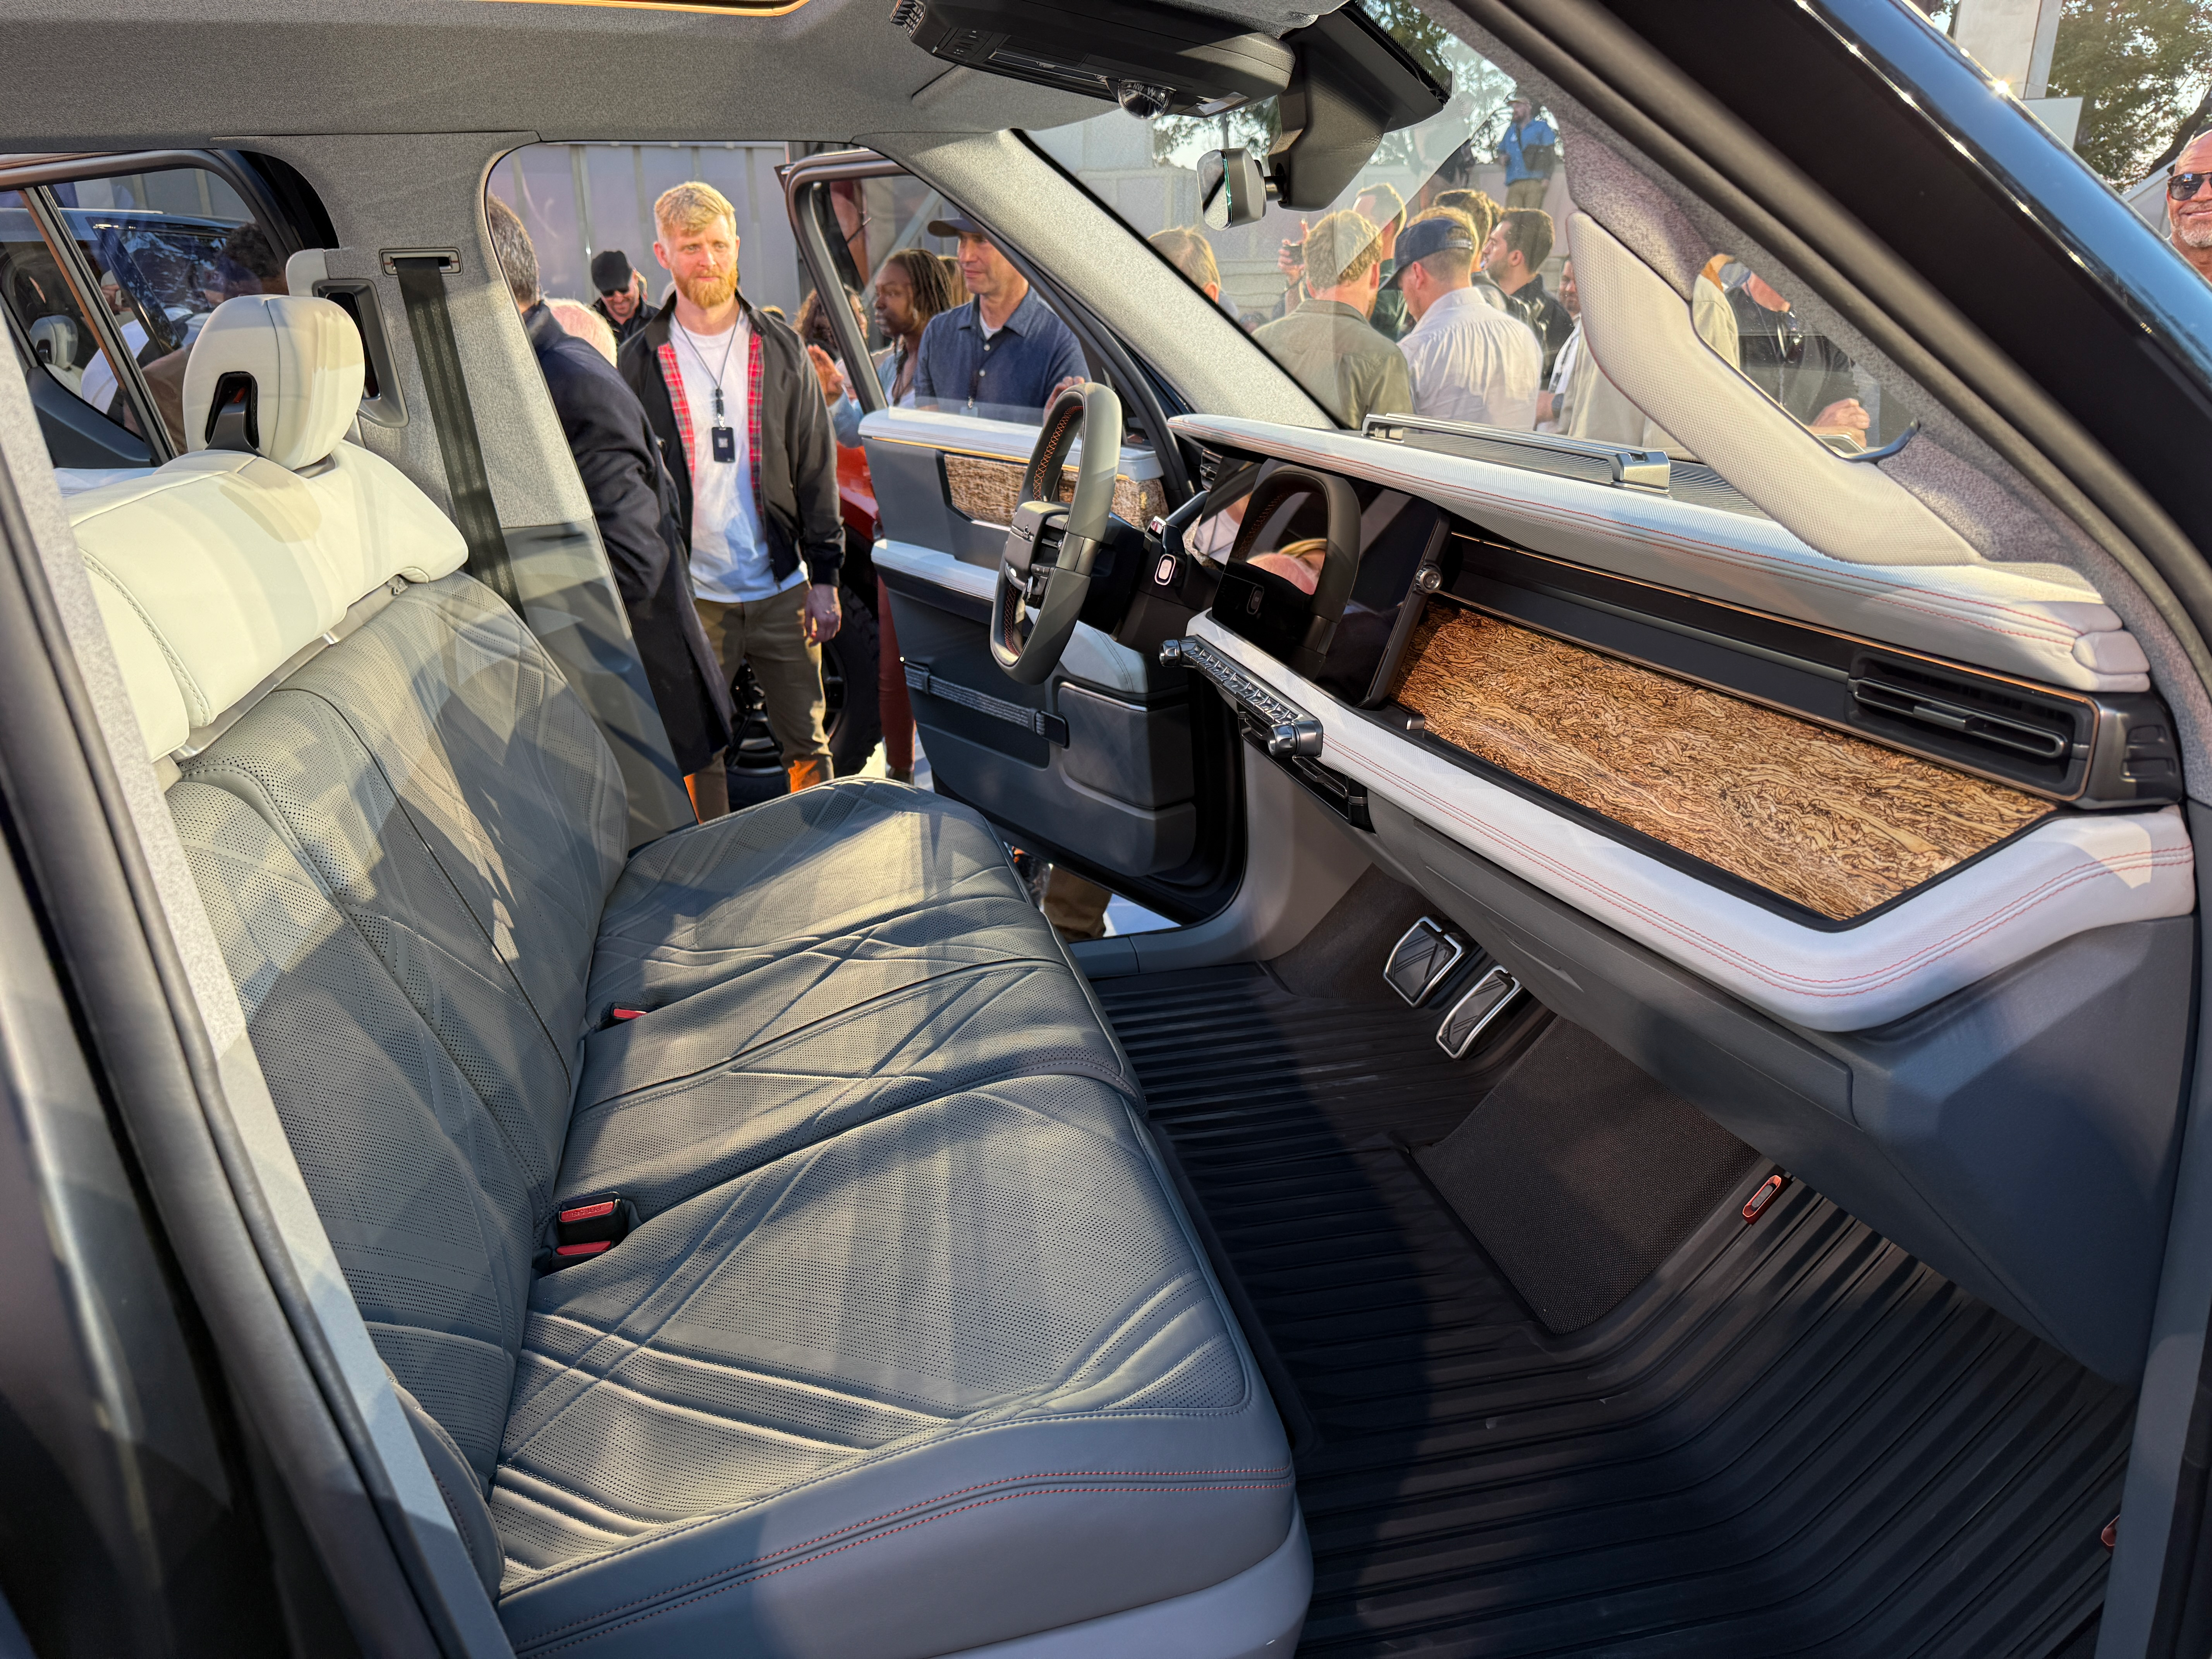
1531, 150
1004, 354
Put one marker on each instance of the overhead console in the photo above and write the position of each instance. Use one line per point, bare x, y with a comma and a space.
1915, 928
1343, 81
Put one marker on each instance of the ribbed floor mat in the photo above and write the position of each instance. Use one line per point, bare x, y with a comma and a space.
1794, 1439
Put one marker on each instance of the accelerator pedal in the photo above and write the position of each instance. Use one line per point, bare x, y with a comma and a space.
1476, 1011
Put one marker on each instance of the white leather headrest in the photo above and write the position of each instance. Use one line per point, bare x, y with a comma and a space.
214, 570
304, 355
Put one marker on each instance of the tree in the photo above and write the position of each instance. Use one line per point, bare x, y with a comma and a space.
2139, 67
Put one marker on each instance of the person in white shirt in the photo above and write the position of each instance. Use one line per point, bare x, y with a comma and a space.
731, 395
1467, 362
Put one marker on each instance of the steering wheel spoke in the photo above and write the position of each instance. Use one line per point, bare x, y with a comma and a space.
1051, 550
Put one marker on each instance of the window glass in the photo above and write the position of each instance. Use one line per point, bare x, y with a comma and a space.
579, 202
1437, 284
47, 313
165, 249
2126, 84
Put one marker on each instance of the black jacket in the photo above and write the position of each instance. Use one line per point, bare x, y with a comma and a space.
638, 320
799, 452
1535, 306
633, 500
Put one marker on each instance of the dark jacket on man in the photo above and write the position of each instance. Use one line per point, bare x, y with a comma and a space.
640, 315
1536, 305
798, 507
633, 500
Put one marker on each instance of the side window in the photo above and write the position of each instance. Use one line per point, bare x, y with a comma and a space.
165, 249
49, 317
42, 303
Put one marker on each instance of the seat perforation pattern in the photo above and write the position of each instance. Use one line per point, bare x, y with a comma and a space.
974, 1262
907, 1247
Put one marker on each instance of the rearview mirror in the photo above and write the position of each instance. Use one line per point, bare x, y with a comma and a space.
1231, 188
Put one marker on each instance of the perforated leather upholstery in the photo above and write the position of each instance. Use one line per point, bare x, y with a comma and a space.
907, 1258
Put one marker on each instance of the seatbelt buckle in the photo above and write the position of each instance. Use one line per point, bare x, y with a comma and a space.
586, 1226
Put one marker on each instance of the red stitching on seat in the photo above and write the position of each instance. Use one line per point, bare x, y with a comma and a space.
1278, 1475
980, 1503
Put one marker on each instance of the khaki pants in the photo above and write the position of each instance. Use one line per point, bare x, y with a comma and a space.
789, 670
1526, 192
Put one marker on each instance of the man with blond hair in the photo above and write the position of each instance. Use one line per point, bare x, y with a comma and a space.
1325, 344
739, 412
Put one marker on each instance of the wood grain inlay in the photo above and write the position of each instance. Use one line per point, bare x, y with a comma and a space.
990, 490
1836, 824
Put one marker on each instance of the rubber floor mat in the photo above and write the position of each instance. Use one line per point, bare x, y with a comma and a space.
1793, 1439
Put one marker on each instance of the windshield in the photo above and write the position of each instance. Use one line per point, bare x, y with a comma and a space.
1438, 284
1322, 290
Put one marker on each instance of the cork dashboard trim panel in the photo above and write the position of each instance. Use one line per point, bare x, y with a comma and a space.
990, 490
1815, 816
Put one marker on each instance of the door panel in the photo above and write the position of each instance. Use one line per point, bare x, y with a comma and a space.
1100, 767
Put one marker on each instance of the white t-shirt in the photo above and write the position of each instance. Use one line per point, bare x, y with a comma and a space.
729, 554
1470, 363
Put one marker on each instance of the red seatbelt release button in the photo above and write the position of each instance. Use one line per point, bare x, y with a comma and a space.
1769, 1190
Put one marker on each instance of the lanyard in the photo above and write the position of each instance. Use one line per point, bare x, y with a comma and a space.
720, 420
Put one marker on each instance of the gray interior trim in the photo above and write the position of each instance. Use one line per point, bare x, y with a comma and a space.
2018, 1135
2171, 1367
1255, 1615
180, 71
1300, 858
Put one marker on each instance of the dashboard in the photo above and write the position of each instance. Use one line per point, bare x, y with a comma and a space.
1903, 906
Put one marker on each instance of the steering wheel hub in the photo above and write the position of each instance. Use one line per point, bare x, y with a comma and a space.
1044, 572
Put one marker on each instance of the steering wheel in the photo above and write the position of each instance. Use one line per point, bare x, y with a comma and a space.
1051, 548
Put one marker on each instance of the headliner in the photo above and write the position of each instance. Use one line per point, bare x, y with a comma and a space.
118, 73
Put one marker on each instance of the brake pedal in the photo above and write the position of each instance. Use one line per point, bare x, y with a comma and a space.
1473, 1013
1422, 961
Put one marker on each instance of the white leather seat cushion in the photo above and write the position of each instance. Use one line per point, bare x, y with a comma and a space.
305, 357
220, 566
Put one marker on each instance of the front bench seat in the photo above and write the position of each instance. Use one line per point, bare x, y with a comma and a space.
914, 1351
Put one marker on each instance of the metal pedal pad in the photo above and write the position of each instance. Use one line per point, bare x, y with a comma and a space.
1472, 1015
1422, 961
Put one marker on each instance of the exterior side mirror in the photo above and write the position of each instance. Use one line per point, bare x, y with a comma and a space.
1231, 188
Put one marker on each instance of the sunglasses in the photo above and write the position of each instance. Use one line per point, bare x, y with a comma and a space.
2180, 186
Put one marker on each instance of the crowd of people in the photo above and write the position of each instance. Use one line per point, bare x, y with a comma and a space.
706, 430
1445, 313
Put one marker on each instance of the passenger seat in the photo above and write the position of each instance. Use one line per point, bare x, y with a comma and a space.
910, 1349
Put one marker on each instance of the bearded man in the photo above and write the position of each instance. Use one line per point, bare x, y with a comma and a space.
735, 404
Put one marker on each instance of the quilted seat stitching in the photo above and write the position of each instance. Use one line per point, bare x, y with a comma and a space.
1271, 1476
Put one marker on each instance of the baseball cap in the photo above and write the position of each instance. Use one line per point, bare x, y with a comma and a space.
611, 271
958, 225
1426, 236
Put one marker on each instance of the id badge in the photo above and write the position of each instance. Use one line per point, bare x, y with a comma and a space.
725, 443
